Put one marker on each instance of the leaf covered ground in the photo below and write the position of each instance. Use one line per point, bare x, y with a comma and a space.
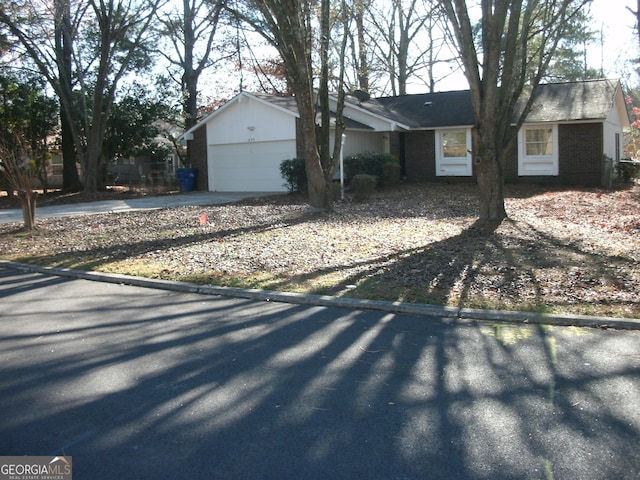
561, 250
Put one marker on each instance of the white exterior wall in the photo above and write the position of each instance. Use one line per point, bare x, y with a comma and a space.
233, 125
616, 123
362, 142
246, 144
611, 127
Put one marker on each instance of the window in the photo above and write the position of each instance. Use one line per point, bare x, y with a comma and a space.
454, 144
538, 150
452, 153
539, 141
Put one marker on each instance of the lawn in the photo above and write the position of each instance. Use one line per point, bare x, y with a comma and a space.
562, 250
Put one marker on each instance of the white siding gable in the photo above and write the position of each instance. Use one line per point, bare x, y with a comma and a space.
250, 120
616, 122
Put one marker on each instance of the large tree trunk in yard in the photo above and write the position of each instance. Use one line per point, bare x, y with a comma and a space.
70, 178
28, 203
489, 163
318, 198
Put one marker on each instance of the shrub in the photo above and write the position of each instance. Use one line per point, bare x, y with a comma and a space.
362, 186
391, 174
629, 170
370, 163
294, 173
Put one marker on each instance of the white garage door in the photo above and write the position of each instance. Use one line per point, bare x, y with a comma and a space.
249, 167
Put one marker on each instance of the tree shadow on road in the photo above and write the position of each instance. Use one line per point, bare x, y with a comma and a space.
136, 383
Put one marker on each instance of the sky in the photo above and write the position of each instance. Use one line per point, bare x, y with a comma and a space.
619, 45
620, 39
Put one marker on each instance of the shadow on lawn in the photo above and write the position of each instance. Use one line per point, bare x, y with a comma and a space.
97, 257
177, 386
495, 265
488, 265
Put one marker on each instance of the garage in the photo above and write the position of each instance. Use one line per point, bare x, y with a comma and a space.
249, 167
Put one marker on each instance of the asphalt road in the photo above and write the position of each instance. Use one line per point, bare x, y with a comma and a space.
139, 383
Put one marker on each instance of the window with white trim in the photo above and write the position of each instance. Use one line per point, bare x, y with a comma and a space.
538, 150
452, 152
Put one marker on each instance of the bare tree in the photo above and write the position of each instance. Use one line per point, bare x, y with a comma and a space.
192, 29
21, 176
503, 72
358, 45
106, 40
290, 26
63, 45
636, 14
393, 29
393, 44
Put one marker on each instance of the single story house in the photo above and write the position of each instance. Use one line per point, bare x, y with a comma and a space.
572, 135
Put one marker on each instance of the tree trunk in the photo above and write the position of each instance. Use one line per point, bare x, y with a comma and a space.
28, 203
490, 174
70, 178
190, 89
318, 198
363, 61
300, 78
189, 76
91, 168
313, 165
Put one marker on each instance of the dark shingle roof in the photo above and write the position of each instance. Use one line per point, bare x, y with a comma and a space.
555, 102
426, 110
590, 100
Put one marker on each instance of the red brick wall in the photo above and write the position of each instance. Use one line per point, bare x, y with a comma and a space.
419, 156
580, 160
581, 153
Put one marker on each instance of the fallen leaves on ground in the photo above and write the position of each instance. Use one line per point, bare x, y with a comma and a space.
562, 250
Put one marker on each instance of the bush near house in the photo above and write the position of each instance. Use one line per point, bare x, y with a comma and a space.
629, 170
363, 186
385, 167
294, 173
391, 173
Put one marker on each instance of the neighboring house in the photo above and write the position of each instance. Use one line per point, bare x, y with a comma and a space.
568, 137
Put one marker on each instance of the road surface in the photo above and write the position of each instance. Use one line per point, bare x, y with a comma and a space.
137, 383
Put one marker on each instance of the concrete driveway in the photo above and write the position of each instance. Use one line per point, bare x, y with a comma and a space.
139, 383
145, 203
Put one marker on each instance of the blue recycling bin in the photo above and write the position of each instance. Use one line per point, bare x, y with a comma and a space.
186, 178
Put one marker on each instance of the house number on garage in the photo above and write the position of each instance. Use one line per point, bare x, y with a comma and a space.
251, 140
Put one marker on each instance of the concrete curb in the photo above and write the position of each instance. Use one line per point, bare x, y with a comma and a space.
452, 313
